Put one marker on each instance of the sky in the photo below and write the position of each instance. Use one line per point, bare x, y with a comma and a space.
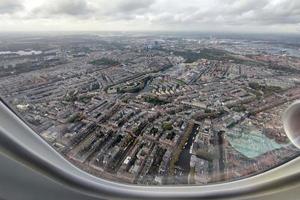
282, 16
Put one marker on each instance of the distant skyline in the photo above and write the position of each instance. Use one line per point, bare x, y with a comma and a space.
253, 16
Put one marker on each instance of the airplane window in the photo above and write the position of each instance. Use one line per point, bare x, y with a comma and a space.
182, 106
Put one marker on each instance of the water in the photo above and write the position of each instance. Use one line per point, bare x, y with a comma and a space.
251, 143
185, 156
21, 52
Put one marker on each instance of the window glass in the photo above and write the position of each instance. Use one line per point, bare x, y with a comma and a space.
154, 108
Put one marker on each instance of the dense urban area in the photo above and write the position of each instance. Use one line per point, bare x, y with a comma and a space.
156, 109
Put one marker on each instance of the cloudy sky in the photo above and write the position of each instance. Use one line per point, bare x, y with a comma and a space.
139, 15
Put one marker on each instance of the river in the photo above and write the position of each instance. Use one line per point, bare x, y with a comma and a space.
21, 52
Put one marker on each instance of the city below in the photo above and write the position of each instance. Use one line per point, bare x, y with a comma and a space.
156, 108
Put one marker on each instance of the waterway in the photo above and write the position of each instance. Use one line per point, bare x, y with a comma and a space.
185, 156
251, 142
21, 52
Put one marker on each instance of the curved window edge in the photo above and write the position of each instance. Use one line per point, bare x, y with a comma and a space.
20, 143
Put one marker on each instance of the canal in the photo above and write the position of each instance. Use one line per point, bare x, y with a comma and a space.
185, 156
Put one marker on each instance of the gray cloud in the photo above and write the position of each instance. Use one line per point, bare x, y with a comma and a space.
231, 12
167, 14
235, 12
76, 8
114, 9
9, 6
133, 5
286, 12
124, 9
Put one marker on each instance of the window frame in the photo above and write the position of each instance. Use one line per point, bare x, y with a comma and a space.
21, 143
